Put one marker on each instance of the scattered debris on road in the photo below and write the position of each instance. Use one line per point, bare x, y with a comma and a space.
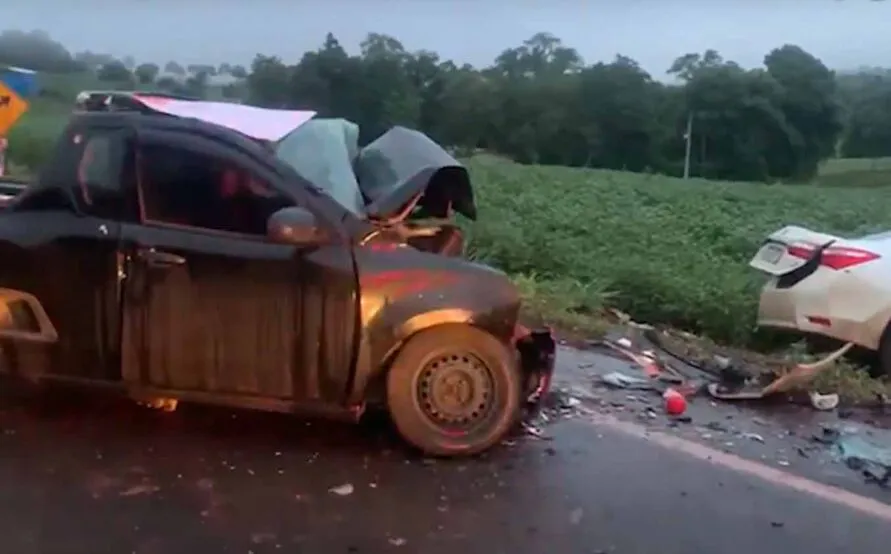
633, 377
859, 452
556, 405
534, 431
726, 374
342, 490
824, 402
139, 490
621, 381
753, 436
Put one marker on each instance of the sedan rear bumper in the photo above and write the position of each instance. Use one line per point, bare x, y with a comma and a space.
537, 352
776, 307
818, 305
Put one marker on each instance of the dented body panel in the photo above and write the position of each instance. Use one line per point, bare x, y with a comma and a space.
50, 255
265, 319
827, 285
157, 309
405, 291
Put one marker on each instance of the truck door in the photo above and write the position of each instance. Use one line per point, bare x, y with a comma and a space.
213, 309
67, 254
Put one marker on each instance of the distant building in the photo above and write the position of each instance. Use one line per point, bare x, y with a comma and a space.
179, 78
22, 81
215, 86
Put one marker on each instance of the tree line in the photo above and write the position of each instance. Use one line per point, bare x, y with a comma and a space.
539, 102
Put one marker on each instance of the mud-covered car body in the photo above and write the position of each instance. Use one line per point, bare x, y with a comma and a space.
303, 314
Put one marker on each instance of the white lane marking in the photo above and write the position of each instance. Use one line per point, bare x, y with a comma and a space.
764, 472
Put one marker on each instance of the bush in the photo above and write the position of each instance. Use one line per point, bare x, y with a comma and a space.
669, 251
28, 148
32, 139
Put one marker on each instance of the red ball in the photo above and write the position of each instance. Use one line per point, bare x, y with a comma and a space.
675, 403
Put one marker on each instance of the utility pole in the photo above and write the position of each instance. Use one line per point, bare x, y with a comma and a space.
688, 137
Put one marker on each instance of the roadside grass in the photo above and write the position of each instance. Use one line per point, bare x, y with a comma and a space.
853, 384
32, 137
16, 170
573, 307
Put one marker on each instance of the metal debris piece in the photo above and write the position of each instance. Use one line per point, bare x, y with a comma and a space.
872, 460
823, 402
622, 381
160, 403
534, 431
139, 490
753, 436
342, 490
805, 372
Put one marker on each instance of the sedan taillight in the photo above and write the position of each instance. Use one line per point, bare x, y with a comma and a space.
834, 257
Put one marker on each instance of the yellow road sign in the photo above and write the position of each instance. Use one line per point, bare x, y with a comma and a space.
12, 107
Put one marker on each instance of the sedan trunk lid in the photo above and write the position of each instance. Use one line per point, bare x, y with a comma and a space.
786, 250
792, 247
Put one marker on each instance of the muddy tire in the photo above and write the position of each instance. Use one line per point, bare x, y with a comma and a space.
454, 390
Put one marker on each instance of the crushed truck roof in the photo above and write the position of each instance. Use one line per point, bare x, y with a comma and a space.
383, 180
258, 123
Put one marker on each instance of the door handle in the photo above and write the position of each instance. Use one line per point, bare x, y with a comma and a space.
158, 258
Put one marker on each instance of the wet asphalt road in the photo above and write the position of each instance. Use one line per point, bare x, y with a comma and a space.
90, 476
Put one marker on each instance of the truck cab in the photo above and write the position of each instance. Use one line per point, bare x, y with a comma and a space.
174, 255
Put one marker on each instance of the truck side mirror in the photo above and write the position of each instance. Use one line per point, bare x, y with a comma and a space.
294, 225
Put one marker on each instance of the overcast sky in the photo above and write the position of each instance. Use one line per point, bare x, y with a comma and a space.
844, 33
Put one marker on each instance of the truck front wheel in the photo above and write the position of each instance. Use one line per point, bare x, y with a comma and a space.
454, 390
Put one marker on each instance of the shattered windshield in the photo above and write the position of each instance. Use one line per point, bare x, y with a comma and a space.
322, 151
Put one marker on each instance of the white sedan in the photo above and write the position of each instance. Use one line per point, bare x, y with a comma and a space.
828, 285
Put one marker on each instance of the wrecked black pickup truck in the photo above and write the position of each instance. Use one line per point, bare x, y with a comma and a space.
178, 250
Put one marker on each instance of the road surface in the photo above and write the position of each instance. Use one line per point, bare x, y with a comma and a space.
84, 476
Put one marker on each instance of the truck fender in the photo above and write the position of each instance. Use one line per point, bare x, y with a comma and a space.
388, 329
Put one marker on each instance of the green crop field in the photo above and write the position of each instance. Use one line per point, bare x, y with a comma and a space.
665, 250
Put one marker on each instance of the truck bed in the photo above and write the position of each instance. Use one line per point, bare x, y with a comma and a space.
10, 187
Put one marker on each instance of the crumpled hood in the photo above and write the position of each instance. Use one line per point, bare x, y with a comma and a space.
403, 163
380, 180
